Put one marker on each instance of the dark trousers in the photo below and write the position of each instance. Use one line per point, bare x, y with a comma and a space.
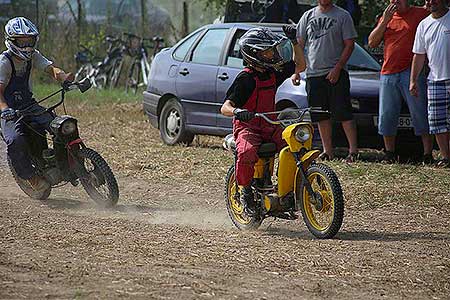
16, 135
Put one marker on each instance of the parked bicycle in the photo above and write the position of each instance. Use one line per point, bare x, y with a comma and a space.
103, 73
140, 67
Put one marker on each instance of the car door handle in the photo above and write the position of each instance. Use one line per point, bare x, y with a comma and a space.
184, 72
224, 76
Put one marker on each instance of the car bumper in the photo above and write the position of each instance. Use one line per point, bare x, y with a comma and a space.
150, 104
368, 136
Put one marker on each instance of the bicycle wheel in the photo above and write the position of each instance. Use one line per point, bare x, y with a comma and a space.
116, 71
133, 77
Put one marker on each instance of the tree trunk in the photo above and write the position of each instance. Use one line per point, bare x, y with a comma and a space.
80, 19
185, 27
144, 17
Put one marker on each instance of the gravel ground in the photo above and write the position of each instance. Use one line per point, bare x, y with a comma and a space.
171, 238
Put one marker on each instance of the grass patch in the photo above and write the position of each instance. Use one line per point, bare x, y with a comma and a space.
92, 97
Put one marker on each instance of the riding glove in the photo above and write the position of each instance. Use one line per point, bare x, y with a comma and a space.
8, 114
291, 33
243, 114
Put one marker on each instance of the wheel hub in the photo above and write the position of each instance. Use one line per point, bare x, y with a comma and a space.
172, 122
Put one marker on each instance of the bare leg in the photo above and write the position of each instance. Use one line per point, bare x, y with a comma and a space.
325, 130
350, 133
427, 141
389, 143
443, 142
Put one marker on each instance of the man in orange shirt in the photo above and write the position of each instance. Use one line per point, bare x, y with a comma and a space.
397, 27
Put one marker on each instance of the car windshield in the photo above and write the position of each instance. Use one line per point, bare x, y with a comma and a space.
362, 61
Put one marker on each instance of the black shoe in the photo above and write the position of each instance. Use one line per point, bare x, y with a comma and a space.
428, 159
287, 202
248, 201
389, 157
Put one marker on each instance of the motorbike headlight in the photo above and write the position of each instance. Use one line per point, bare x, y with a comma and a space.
68, 127
303, 134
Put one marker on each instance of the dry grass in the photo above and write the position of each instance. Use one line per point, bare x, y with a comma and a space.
115, 125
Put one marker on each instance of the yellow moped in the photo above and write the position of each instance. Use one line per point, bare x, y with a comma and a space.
302, 184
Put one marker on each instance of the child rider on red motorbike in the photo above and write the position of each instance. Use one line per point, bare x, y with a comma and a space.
268, 60
16, 63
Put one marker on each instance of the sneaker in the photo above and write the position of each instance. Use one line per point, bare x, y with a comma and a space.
443, 163
351, 158
38, 184
325, 157
248, 200
428, 159
389, 157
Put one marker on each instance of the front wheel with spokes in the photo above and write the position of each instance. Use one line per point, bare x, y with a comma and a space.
97, 178
324, 213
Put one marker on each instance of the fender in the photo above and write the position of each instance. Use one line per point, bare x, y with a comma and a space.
308, 158
72, 147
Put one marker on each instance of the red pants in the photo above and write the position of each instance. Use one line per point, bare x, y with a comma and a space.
248, 140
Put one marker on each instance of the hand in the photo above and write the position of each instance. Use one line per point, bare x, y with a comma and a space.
414, 89
334, 75
69, 77
389, 13
243, 114
8, 114
291, 33
295, 79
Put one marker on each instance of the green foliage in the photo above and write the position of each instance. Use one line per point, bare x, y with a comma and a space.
372, 8
216, 5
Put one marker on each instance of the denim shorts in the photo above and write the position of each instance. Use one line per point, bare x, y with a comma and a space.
394, 88
438, 106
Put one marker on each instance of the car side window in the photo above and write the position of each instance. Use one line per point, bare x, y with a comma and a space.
209, 48
234, 56
182, 50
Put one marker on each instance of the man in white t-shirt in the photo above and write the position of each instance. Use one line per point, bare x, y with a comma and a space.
432, 41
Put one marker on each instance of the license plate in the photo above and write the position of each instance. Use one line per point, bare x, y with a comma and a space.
403, 122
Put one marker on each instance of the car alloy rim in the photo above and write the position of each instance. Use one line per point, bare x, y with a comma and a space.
173, 123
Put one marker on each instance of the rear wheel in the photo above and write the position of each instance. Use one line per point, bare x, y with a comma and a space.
101, 81
26, 187
133, 77
235, 208
172, 124
115, 73
323, 216
97, 178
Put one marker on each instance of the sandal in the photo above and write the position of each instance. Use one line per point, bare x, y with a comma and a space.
325, 157
351, 157
443, 163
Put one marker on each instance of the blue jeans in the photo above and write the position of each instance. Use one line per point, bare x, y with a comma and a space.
394, 88
16, 135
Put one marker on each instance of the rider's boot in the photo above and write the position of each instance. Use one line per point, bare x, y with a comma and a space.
248, 200
38, 183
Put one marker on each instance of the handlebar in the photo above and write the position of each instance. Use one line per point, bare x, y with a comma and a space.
301, 114
82, 85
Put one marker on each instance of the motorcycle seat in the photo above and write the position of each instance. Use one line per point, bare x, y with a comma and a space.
267, 150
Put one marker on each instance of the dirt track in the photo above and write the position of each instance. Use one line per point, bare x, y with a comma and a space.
168, 242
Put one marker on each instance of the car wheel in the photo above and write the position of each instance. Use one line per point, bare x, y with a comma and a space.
172, 124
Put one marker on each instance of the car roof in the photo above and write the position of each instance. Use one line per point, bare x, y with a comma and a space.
244, 25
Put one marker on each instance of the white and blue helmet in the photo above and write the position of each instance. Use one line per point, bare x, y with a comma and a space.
21, 27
